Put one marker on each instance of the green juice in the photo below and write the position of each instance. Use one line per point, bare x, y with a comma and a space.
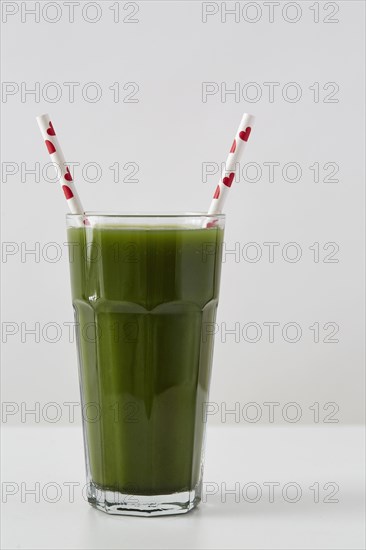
145, 302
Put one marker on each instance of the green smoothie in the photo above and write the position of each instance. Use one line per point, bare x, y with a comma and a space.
143, 299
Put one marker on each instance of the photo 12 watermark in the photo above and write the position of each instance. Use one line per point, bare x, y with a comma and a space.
270, 92
271, 332
271, 412
270, 12
74, 12
13, 172
72, 92
275, 172
272, 492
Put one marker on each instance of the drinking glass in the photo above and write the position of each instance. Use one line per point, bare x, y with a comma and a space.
145, 291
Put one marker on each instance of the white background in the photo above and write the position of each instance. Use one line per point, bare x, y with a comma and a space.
169, 133
169, 52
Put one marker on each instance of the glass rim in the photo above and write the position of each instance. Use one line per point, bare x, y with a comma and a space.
146, 215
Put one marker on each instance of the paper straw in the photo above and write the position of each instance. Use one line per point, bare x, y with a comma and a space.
228, 174
58, 160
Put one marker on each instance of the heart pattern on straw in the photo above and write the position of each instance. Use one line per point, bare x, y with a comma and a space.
228, 174
245, 135
67, 192
50, 130
68, 176
64, 176
228, 180
50, 146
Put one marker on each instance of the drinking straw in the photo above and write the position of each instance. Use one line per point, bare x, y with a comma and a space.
228, 174
58, 160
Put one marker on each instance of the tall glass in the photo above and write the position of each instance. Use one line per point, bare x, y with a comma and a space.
145, 292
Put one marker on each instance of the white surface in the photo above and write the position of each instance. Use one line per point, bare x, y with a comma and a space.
301, 455
169, 133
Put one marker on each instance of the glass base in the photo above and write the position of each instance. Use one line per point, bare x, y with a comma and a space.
114, 502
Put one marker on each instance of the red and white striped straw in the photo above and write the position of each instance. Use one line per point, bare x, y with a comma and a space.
236, 151
58, 160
